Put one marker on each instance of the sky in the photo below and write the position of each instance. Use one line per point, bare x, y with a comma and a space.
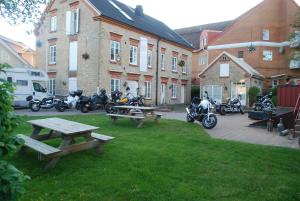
174, 13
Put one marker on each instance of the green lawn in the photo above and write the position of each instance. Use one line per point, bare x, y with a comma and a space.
171, 161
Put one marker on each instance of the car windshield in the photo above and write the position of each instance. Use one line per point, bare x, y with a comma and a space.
38, 87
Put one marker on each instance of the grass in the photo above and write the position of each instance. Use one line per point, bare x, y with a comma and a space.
171, 161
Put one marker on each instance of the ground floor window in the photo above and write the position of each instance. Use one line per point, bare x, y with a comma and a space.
51, 87
148, 89
114, 85
174, 91
238, 90
274, 83
214, 91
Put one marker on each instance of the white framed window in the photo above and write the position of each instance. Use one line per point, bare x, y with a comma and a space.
214, 91
184, 68
52, 54
224, 70
115, 49
266, 34
114, 85
174, 64
274, 83
72, 22
149, 59
73, 54
133, 55
22, 82
267, 55
203, 60
51, 86
174, 91
53, 24
162, 61
148, 90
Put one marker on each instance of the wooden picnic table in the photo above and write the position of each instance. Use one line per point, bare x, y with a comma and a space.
138, 113
68, 131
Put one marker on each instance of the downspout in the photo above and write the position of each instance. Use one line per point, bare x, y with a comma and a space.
157, 64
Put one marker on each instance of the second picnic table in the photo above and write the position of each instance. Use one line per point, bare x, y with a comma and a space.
138, 113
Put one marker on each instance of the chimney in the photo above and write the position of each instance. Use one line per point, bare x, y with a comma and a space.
139, 10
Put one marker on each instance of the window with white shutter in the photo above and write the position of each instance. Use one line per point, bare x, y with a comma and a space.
73, 56
224, 70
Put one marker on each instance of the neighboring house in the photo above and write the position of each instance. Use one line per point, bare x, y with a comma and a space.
259, 38
16, 53
94, 44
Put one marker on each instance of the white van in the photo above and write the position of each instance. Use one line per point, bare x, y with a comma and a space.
28, 82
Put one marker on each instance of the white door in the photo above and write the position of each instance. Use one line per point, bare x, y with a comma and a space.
182, 94
134, 87
162, 93
72, 84
73, 56
239, 89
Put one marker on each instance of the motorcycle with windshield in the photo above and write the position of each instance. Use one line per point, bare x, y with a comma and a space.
95, 102
231, 106
264, 103
201, 110
69, 102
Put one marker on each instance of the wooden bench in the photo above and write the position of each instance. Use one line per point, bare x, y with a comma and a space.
102, 138
41, 148
140, 119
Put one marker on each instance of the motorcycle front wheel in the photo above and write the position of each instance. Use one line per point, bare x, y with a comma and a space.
189, 118
242, 111
84, 109
211, 122
60, 107
35, 107
109, 108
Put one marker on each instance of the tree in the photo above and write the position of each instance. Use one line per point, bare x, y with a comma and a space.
11, 179
24, 11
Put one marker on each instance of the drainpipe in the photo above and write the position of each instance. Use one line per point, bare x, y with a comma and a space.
157, 68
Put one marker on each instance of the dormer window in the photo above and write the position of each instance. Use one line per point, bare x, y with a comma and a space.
266, 34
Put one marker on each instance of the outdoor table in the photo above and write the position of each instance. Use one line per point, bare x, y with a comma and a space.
139, 113
69, 132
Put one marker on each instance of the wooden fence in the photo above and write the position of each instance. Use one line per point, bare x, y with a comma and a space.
287, 95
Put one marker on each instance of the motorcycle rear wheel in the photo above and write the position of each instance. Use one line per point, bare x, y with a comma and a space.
189, 119
222, 110
60, 107
242, 111
211, 122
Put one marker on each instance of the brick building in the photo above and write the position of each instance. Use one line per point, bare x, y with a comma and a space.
259, 38
94, 44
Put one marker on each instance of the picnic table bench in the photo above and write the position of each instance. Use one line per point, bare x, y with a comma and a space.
137, 113
69, 131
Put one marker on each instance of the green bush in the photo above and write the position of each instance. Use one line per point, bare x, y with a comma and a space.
195, 91
274, 95
11, 179
253, 93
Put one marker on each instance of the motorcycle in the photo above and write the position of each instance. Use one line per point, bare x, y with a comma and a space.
129, 99
231, 106
45, 103
264, 103
95, 102
200, 110
69, 102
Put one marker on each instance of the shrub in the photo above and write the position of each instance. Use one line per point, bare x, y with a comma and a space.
11, 179
253, 93
274, 95
195, 91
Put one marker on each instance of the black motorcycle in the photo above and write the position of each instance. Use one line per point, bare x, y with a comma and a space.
72, 101
200, 110
264, 103
95, 102
231, 106
45, 103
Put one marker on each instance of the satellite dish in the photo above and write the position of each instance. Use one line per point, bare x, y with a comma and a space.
281, 50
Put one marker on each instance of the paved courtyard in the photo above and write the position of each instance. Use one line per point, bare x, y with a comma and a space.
230, 127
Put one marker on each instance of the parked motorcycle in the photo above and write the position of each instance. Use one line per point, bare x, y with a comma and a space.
45, 103
69, 102
95, 102
200, 110
231, 106
129, 99
264, 103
